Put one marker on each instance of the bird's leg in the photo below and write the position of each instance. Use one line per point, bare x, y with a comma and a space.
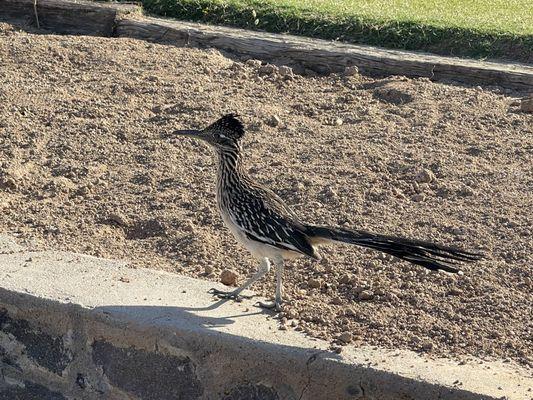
276, 304
264, 267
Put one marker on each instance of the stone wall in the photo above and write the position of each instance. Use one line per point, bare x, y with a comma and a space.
53, 355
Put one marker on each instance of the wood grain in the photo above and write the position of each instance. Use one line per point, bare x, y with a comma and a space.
324, 56
68, 16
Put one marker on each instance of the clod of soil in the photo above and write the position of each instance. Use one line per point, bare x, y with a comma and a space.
526, 105
228, 277
86, 133
394, 93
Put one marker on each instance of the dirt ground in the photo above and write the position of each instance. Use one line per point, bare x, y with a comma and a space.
85, 167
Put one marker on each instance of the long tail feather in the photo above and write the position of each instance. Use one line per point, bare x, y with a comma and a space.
429, 255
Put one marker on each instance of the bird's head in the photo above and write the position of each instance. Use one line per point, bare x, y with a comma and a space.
225, 133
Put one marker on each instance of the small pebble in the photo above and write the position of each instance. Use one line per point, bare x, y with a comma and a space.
526, 105
314, 283
345, 279
345, 337
274, 121
350, 312
351, 70
336, 300
424, 176
253, 63
366, 295
268, 69
285, 71
455, 292
419, 197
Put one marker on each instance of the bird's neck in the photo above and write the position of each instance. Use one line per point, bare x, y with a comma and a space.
230, 163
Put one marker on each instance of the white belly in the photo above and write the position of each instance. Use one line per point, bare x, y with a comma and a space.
258, 249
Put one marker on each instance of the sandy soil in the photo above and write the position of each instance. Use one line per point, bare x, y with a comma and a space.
84, 168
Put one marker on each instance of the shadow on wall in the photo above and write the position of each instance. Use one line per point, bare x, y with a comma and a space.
169, 353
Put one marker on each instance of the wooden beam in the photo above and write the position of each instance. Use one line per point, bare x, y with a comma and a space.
325, 56
68, 16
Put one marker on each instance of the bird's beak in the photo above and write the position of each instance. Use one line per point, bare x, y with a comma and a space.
189, 133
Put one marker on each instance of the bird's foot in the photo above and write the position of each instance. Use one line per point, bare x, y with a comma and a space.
233, 295
271, 305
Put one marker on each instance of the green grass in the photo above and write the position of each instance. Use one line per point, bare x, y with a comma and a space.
474, 28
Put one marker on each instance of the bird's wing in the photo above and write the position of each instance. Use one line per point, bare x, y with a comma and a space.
265, 218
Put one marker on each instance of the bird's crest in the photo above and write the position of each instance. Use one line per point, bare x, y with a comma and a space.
229, 125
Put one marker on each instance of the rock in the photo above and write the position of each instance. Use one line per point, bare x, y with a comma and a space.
338, 122
350, 312
314, 283
351, 71
423, 187
274, 121
336, 349
84, 191
118, 219
426, 345
526, 104
455, 292
328, 193
336, 300
268, 69
298, 186
228, 277
286, 71
345, 279
253, 63
345, 337
237, 66
366, 295
188, 226
424, 176
474, 151
418, 197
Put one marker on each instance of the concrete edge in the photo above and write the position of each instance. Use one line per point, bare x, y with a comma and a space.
89, 305
123, 20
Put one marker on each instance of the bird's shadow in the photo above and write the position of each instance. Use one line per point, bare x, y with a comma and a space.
172, 315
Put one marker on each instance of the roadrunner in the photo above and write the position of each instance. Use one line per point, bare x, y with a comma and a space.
272, 232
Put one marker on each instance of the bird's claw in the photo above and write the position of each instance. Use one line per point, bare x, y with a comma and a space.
270, 305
